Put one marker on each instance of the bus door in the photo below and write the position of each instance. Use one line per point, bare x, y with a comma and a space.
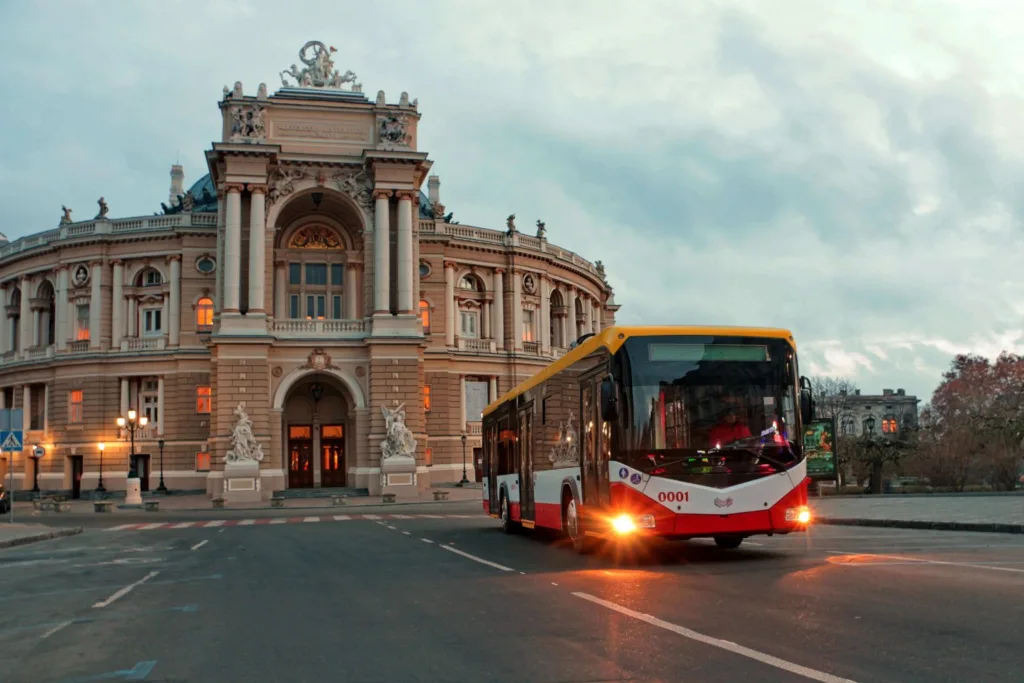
525, 443
588, 432
603, 447
490, 468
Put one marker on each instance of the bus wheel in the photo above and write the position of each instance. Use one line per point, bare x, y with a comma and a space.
506, 516
582, 543
728, 542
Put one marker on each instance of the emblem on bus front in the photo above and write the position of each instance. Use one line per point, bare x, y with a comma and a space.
720, 503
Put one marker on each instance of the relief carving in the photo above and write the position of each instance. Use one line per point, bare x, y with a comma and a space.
356, 183
392, 133
247, 123
315, 237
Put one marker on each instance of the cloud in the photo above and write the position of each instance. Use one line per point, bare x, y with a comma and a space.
849, 171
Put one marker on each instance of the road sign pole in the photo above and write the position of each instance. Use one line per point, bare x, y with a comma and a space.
10, 476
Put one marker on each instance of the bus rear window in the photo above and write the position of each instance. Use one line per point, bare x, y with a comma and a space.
695, 353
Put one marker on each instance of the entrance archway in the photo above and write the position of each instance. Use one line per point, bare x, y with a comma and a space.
318, 439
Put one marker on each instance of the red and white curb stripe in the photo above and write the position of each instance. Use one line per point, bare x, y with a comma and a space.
275, 520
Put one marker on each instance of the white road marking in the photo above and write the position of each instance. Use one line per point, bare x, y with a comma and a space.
342, 518
924, 561
393, 528
247, 522
182, 525
407, 533
119, 527
804, 671
126, 590
311, 519
432, 516
553, 583
371, 516
55, 629
216, 522
426, 540
199, 545
154, 525
478, 559
279, 521
401, 516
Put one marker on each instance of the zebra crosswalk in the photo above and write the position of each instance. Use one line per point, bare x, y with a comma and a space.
213, 523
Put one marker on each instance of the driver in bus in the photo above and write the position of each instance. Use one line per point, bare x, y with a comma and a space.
729, 429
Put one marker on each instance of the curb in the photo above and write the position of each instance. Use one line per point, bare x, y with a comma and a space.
45, 536
983, 527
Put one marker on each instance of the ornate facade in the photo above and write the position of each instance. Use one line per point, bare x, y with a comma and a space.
307, 276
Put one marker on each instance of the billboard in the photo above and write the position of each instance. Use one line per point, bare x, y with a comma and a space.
820, 449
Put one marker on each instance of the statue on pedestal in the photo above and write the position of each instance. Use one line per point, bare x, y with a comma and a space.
399, 441
244, 446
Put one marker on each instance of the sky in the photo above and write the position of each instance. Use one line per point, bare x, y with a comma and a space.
851, 170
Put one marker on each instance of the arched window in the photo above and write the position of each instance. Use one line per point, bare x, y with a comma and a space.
204, 314
425, 316
316, 274
889, 425
471, 283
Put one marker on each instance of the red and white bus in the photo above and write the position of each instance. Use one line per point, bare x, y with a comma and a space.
674, 432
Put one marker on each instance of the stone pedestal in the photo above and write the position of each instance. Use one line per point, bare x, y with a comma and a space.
398, 476
242, 482
133, 491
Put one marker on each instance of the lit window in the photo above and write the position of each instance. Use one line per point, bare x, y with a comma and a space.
75, 407
428, 457
426, 398
425, 316
82, 323
204, 314
204, 400
202, 461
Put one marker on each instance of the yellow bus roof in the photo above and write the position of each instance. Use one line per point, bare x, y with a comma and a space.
613, 338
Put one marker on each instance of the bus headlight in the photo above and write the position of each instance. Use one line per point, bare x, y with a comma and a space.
623, 524
800, 515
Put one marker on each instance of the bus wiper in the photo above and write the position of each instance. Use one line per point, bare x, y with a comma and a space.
761, 456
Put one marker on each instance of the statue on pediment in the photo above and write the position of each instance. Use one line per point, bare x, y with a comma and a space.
319, 71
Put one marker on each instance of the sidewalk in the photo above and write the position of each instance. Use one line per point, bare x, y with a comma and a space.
20, 534
202, 503
1000, 514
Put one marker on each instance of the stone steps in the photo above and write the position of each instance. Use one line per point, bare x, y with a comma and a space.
346, 491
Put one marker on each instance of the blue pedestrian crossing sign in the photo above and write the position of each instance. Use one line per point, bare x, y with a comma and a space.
11, 439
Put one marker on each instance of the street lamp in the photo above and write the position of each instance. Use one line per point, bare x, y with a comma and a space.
161, 488
465, 480
100, 488
35, 472
133, 423
870, 424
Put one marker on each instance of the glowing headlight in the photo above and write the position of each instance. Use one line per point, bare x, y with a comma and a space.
623, 524
800, 515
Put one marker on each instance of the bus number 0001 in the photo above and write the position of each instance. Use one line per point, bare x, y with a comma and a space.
674, 497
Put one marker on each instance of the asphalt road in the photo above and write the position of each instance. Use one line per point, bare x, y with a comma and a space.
453, 599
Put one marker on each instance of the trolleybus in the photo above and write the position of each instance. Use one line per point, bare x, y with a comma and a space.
675, 432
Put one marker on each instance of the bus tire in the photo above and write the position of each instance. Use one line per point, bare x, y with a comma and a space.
574, 528
728, 542
507, 525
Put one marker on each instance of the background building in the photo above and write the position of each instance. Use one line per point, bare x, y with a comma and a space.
308, 276
893, 412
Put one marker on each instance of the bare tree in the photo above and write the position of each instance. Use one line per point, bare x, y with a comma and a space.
833, 399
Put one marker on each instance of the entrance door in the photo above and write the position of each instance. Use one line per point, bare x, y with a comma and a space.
588, 422
525, 443
142, 470
76, 476
332, 456
300, 456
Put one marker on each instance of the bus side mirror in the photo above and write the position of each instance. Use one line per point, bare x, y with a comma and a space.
806, 400
609, 402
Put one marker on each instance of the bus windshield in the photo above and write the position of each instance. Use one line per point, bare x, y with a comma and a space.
712, 410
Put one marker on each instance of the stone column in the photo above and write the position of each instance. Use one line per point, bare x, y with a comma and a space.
588, 315
26, 406
96, 305
174, 319
449, 303
492, 389
164, 326
517, 311
499, 308
133, 318
232, 247
405, 269
124, 396
462, 404
37, 317
3, 324
25, 317
160, 405
117, 304
485, 322
60, 309
257, 248
218, 297
381, 254
280, 290
351, 311
571, 335
544, 324
597, 316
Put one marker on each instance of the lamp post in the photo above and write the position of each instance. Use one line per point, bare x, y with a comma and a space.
133, 423
100, 488
161, 488
35, 471
464, 479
